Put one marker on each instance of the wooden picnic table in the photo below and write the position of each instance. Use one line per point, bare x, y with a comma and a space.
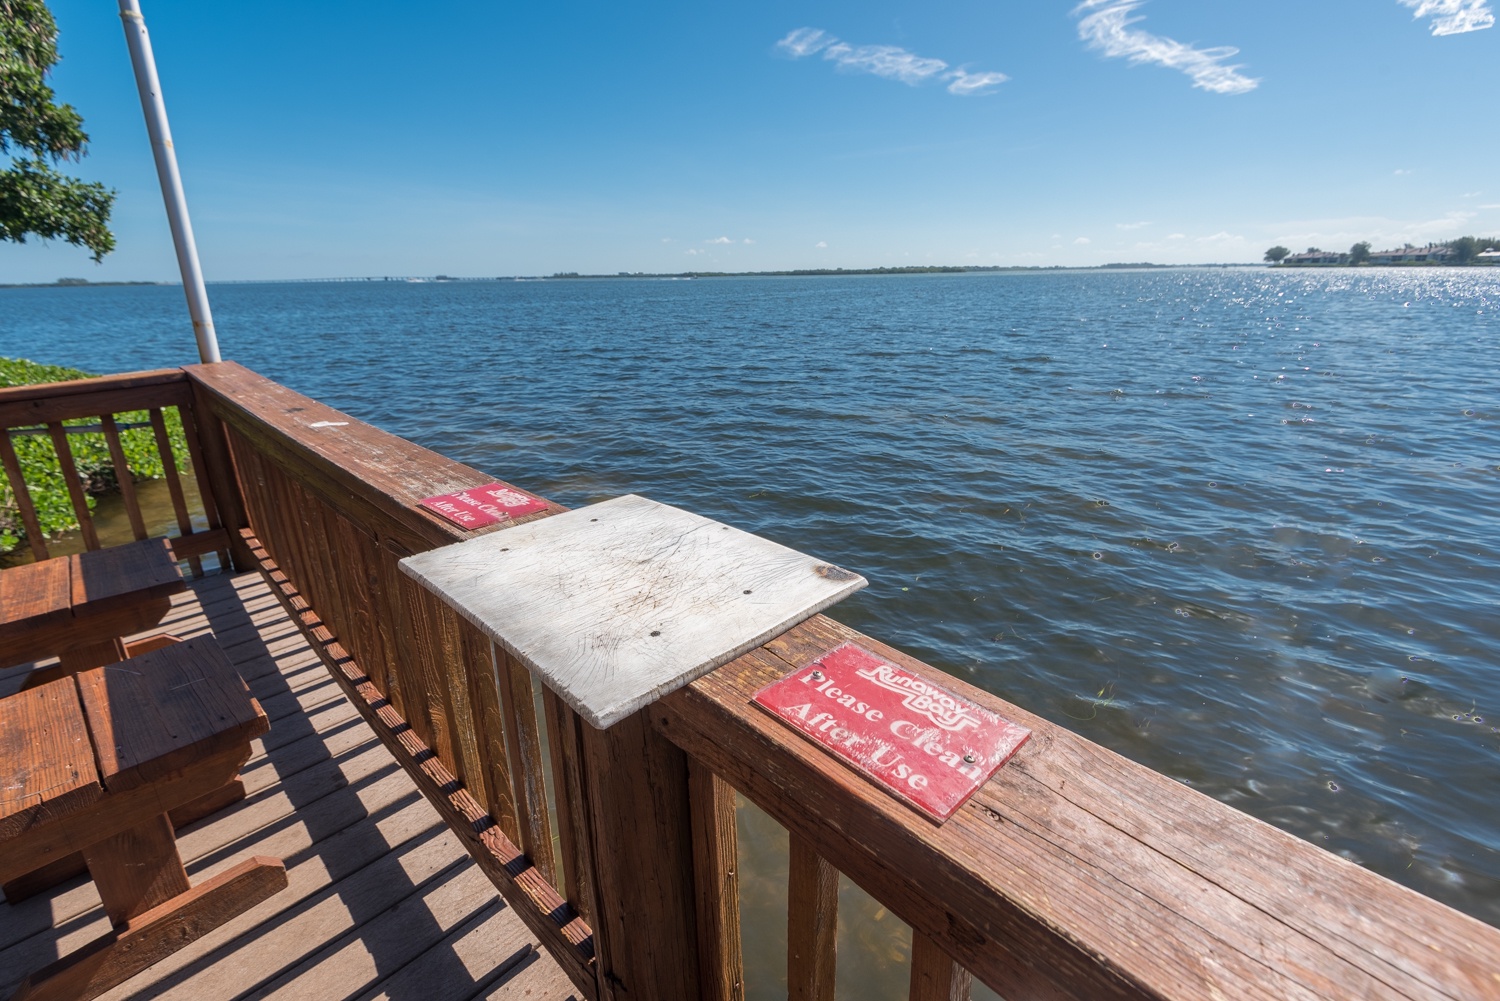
91, 764
79, 607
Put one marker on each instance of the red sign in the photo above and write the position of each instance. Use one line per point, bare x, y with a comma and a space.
923, 743
477, 507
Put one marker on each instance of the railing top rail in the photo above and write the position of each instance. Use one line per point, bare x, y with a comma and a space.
74, 387
1076, 873
23, 406
348, 457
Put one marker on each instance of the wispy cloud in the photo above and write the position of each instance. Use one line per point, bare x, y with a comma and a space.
1105, 25
1453, 17
821, 245
1131, 225
1082, 241
719, 239
888, 61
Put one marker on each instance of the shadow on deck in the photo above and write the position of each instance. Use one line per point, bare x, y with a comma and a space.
383, 901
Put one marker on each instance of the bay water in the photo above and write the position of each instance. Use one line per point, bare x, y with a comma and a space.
1236, 524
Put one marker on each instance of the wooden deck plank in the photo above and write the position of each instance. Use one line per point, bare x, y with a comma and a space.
368, 859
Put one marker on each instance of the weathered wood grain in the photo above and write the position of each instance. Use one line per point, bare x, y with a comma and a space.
48, 391
524, 743
118, 577
325, 795
149, 936
74, 483
33, 596
25, 406
637, 792
173, 478
934, 975
716, 881
812, 924
22, 493
568, 937
137, 869
376, 476
46, 762
574, 829
159, 713
1077, 874
123, 476
615, 604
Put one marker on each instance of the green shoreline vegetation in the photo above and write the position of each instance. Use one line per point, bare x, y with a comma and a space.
43, 475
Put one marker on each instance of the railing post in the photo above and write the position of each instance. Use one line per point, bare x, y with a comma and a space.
645, 932
219, 471
611, 607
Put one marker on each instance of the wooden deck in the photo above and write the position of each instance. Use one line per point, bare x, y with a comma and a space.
382, 902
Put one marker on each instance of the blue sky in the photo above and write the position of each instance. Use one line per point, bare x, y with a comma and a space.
326, 139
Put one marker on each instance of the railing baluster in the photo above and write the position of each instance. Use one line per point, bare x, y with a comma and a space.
934, 974
456, 668
174, 481
200, 474
484, 701
572, 809
716, 879
123, 475
17, 478
518, 701
812, 924
74, 483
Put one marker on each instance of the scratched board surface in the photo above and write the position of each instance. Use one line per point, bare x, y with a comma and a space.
1235, 524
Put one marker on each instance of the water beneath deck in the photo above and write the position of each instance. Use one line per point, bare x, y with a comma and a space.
1235, 524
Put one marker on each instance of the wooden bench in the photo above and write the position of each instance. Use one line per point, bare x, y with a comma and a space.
93, 764
78, 607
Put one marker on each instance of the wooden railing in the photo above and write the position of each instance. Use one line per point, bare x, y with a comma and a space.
54, 410
1072, 874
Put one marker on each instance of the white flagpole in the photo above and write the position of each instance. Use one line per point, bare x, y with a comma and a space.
171, 181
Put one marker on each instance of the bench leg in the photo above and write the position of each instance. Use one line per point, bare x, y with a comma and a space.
137, 869
155, 934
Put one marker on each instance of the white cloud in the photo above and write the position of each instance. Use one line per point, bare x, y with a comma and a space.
888, 61
747, 241
666, 239
1497, 206
1402, 173
1082, 241
694, 251
1176, 236
1131, 225
1453, 17
821, 245
1105, 25
1220, 237
719, 239
964, 84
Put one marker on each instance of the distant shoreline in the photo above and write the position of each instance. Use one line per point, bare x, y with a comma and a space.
559, 276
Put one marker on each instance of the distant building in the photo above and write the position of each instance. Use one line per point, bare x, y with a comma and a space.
1317, 257
1430, 254
1489, 256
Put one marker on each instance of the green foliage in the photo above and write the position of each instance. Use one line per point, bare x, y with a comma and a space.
1277, 254
1359, 253
1466, 249
35, 134
39, 466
